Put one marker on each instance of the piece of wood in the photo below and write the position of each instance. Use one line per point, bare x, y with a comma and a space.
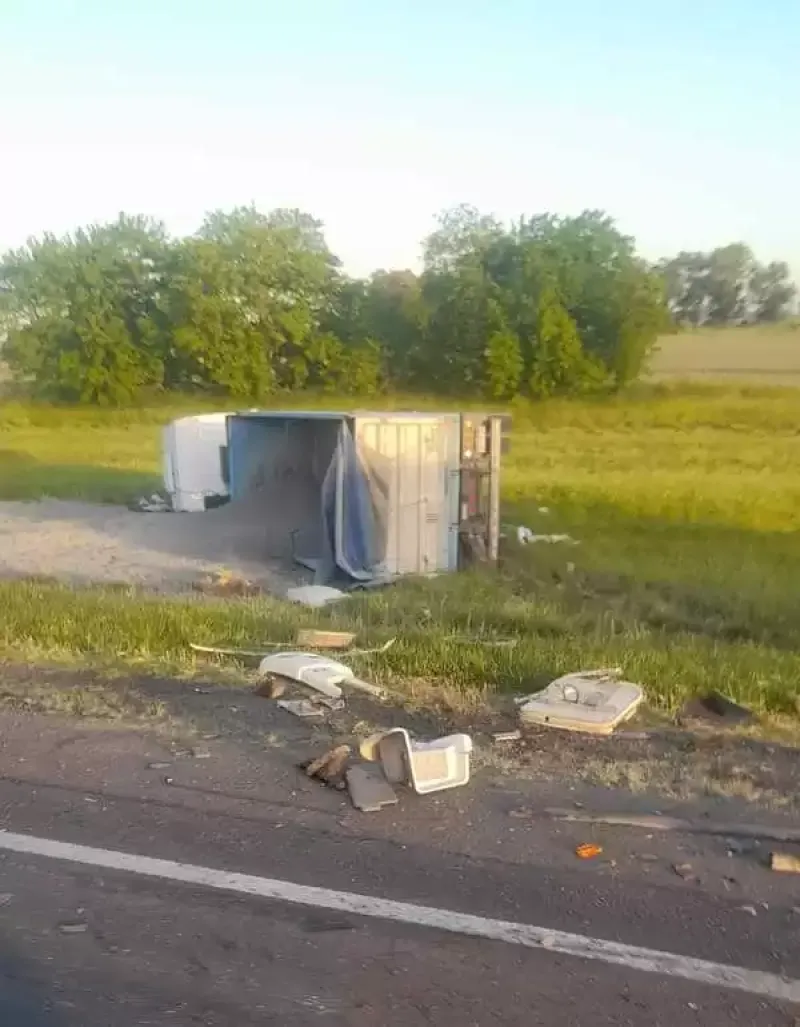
313, 638
784, 862
678, 825
330, 765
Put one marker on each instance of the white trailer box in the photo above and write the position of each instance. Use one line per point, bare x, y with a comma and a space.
194, 461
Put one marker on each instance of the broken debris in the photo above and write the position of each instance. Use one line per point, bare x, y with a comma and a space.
588, 850
318, 672
303, 708
784, 862
268, 648
525, 536
425, 766
652, 822
73, 928
592, 701
500, 737
313, 638
369, 790
330, 767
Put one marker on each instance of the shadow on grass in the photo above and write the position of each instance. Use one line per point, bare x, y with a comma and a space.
24, 478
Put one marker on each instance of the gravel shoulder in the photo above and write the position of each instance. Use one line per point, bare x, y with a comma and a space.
85, 543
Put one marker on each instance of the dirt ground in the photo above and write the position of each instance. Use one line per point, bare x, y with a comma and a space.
85, 543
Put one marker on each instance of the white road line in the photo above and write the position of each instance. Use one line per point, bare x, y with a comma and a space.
756, 982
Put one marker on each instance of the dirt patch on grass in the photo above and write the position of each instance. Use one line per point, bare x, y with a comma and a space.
85, 543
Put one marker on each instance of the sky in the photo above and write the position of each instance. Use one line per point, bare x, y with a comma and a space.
679, 119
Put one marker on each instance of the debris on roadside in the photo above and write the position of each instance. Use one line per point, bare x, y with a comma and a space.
501, 737
784, 862
369, 790
715, 708
330, 767
315, 596
652, 822
303, 708
77, 927
525, 536
159, 765
320, 673
226, 584
592, 701
685, 871
272, 687
313, 638
151, 504
425, 766
588, 850
268, 648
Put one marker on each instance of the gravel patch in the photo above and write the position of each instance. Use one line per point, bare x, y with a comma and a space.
84, 543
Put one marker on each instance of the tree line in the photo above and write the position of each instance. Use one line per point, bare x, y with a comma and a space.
726, 286
254, 304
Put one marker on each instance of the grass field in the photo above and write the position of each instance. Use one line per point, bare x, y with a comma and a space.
686, 502
754, 354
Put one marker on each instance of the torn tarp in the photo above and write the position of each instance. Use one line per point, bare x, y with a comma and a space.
355, 509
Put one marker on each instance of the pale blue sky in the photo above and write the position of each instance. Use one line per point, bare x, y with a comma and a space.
679, 119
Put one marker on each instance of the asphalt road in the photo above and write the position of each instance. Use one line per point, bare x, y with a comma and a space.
83, 946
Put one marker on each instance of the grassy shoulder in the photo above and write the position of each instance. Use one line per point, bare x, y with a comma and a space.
686, 503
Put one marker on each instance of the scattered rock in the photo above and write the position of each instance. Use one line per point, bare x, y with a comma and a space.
684, 871
749, 909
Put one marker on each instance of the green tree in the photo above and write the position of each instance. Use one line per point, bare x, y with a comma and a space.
560, 365
81, 313
504, 364
771, 291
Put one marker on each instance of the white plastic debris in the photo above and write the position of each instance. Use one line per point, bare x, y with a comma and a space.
594, 701
526, 537
316, 671
315, 595
425, 766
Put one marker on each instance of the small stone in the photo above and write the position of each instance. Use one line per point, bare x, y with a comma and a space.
749, 909
73, 928
168, 780
684, 870
693, 1006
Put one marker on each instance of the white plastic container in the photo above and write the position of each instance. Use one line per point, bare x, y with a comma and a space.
193, 455
591, 701
425, 766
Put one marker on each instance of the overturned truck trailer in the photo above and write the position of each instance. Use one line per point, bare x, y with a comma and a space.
357, 498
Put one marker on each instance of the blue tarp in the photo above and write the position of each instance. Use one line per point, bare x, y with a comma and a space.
354, 513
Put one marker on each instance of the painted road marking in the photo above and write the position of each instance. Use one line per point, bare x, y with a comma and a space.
668, 964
